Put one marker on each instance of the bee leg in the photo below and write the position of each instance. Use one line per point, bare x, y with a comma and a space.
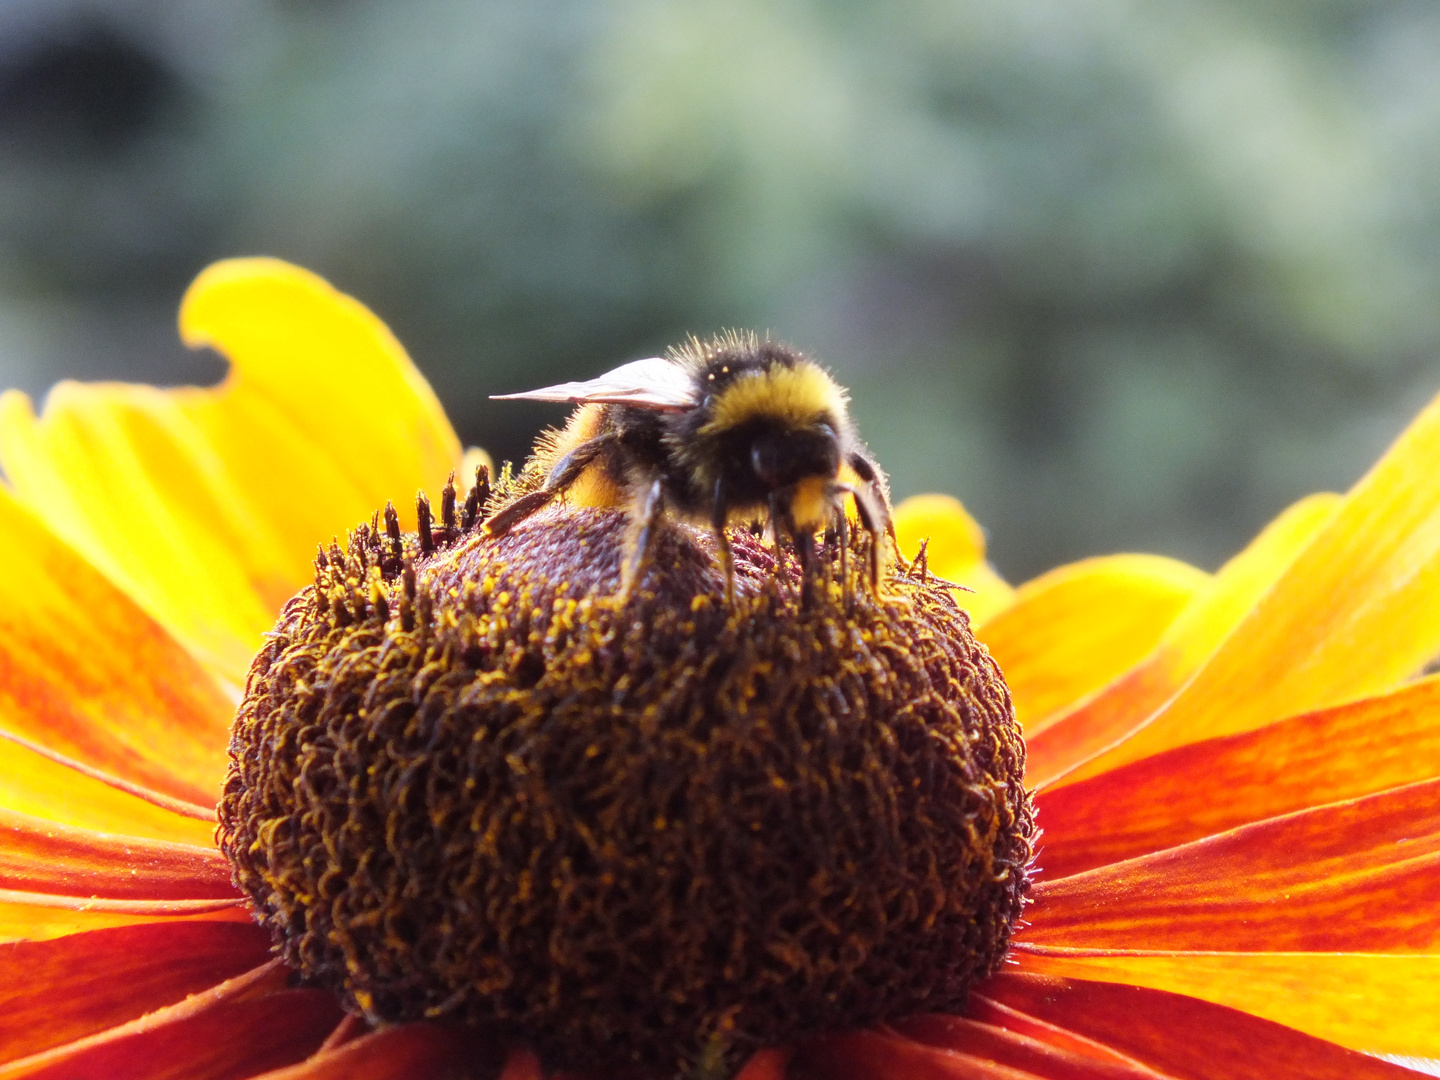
877, 490
777, 511
809, 565
871, 516
566, 471
842, 538
782, 525
719, 513
649, 518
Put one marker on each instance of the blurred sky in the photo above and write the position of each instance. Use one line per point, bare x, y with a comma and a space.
1119, 275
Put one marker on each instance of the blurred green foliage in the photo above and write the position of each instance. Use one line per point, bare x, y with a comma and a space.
1118, 275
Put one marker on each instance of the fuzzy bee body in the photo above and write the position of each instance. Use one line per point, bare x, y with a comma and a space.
718, 433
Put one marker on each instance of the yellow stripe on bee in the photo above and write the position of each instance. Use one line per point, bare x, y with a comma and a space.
810, 508
799, 395
594, 487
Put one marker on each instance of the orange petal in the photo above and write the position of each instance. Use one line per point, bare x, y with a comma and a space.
245, 1026
1355, 876
522, 1064
27, 916
53, 992
1375, 1003
766, 1065
1012, 1038
207, 504
31, 783
1177, 1036
1119, 708
1074, 629
1356, 613
406, 1052
1158, 802
875, 1055
954, 550
41, 856
84, 671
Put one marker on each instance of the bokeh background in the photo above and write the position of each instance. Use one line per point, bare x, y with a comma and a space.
1120, 275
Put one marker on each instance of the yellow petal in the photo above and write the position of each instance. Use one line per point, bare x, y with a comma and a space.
1213, 614
1356, 613
954, 550
1073, 630
207, 504
1377, 1003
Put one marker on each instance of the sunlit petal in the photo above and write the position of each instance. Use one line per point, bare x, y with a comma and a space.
1178, 1036
1357, 612
1356, 876
1196, 632
1007, 1036
31, 783
954, 550
1071, 631
1377, 1003
41, 917
206, 504
84, 671
41, 856
1214, 785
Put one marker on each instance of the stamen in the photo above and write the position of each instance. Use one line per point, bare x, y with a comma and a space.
422, 514
447, 508
470, 783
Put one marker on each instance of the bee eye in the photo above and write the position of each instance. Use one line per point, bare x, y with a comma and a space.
824, 430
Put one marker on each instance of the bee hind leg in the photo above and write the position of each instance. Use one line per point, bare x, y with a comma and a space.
566, 471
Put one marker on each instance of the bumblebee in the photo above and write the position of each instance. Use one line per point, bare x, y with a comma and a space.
721, 433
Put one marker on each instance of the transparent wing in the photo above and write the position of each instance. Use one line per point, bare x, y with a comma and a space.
653, 383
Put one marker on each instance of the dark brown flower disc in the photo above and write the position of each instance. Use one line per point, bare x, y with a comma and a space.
468, 783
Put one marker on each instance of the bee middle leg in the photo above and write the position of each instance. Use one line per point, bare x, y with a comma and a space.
842, 536
648, 523
719, 518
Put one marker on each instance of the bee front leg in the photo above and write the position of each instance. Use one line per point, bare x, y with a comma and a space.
779, 525
809, 564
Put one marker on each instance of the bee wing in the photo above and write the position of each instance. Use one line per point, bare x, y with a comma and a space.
653, 383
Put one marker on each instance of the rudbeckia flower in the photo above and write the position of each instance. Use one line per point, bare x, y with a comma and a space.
1235, 774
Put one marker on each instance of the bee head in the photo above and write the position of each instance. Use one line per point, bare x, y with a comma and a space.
782, 456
